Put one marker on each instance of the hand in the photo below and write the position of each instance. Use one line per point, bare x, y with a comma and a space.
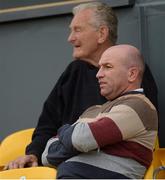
23, 161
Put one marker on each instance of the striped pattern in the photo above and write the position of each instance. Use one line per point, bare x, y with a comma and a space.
125, 127
117, 136
127, 167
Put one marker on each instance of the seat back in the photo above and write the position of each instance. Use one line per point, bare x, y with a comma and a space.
158, 160
29, 173
156, 146
149, 172
14, 145
159, 164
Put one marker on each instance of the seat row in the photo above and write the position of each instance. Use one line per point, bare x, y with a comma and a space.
14, 146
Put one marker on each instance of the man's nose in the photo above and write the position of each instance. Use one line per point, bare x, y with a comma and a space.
99, 73
71, 37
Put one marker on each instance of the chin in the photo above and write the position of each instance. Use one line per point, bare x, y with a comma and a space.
77, 56
103, 94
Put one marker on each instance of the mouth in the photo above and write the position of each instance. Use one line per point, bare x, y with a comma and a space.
76, 46
102, 84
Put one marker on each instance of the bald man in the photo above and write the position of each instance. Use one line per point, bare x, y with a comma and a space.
114, 140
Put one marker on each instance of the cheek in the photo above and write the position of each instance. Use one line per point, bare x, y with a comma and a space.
111, 85
91, 46
90, 38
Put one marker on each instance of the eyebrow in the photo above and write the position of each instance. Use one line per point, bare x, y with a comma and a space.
75, 25
106, 63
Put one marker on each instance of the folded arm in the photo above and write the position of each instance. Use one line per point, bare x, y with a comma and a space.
109, 128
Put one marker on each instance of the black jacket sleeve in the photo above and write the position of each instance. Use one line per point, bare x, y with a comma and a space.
49, 121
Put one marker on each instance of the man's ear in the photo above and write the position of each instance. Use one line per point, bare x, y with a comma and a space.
133, 74
103, 34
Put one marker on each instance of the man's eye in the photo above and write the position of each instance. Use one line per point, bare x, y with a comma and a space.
108, 66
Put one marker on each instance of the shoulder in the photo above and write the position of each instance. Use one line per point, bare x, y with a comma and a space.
79, 69
80, 64
141, 106
136, 101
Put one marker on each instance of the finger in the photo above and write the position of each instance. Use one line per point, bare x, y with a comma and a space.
10, 165
34, 164
15, 165
6, 167
21, 164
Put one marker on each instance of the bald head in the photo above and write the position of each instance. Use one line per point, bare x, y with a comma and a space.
121, 69
128, 55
